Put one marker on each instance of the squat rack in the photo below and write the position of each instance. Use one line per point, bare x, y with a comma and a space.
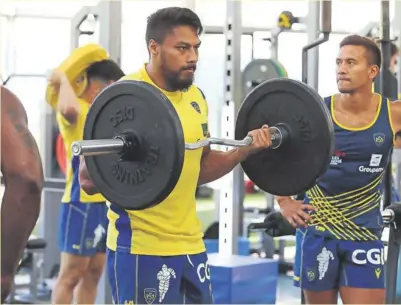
232, 191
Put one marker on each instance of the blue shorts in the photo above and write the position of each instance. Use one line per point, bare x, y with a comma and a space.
146, 279
82, 228
323, 263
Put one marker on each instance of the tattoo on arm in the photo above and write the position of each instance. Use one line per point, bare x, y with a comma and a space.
19, 121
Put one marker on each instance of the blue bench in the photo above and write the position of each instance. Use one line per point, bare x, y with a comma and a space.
239, 279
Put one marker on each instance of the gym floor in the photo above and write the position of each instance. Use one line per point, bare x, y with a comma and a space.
286, 292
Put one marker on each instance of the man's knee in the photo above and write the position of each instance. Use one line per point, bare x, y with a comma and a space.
94, 274
95, 268
73, 269
71, 277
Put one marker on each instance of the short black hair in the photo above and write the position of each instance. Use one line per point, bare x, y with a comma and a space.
164, 20
373, 50
105, 70
393, 49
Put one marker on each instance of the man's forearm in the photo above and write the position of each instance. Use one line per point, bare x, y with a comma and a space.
67, 100
19, 213
216, 164
85, 180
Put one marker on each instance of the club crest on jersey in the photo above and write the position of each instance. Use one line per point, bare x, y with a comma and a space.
379, 138
150, 295
196, 107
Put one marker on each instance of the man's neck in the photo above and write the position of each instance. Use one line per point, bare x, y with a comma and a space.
358, 101
156, 77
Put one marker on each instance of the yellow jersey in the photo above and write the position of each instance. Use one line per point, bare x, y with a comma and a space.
70, 133
171, 227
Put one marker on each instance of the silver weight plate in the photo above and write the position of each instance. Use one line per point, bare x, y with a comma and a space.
258, 71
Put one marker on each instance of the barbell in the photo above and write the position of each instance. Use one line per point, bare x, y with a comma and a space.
134, 149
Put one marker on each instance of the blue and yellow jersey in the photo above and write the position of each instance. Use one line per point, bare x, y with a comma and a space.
348, 195
70, 133
171, 227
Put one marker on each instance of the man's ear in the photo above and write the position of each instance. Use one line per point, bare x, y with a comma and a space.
153, 48
374, 72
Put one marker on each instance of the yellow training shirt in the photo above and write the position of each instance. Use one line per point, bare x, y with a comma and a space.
171, 227
70, 133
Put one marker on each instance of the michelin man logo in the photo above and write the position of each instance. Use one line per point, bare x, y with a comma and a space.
163, 276
99, 232
324, 258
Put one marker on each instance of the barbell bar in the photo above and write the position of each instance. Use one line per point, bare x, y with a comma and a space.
134, 148
121, 144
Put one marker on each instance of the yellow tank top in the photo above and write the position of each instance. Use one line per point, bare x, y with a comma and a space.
172, 227
70, 133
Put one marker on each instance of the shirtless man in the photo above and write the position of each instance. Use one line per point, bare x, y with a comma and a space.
345, 217
22, 171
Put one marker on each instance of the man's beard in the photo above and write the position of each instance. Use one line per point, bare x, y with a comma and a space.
173, 80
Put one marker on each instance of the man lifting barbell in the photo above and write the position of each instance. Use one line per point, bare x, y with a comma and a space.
146, 148
339, 247
83, 222
21, 167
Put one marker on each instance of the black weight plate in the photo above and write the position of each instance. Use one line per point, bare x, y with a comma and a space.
137, 106
296, 165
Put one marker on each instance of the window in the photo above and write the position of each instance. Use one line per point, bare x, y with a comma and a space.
261, 47
345, 18
211, 72
266, 13
133, 47
290, 46
138, 11
3, 46
63, 9
327, 65
211, 12
40, 44
31, 92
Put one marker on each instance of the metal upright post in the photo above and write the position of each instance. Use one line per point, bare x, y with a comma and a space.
110, 19
396, 24
386, 54
313, 31
326, 30
76, 22
232, 192
394, 236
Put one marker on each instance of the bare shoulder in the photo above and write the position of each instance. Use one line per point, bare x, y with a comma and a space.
14, 123
395, 106
395, 111
11, 106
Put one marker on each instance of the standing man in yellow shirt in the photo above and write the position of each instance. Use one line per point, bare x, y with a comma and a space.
83, 219
157, 255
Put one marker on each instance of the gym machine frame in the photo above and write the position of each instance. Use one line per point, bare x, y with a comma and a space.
394, 242
325, 19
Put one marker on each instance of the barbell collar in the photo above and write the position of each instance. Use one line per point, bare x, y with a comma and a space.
98, 147
388, 216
